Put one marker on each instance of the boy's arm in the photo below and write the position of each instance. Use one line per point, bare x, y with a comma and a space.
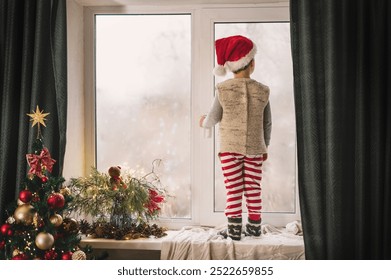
267, 124
214, 116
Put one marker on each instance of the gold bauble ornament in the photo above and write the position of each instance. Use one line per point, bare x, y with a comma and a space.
70, 225
24, 214
16, 252
44, 241
56, 220
79, 255
65, 191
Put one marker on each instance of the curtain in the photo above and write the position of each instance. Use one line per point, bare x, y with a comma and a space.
342, 58
33, 71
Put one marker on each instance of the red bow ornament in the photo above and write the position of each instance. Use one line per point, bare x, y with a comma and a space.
154, 199
37, 162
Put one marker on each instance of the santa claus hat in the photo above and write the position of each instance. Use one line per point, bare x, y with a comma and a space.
233, 53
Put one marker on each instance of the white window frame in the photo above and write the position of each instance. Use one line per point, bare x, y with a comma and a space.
202, 85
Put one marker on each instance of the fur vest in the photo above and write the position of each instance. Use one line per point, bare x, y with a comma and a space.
241, 128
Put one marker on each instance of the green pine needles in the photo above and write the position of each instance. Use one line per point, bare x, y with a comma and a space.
121, 201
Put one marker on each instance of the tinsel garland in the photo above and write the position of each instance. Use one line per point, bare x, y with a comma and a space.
111, 231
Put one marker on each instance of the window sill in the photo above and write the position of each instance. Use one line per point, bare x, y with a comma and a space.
151, 243
201, 243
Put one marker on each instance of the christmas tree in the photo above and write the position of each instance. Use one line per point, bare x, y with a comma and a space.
38, 226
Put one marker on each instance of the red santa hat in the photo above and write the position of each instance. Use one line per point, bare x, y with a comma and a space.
233, 53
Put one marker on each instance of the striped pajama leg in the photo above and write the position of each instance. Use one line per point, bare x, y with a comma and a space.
242, 174
252, 185
233, 166
252, 192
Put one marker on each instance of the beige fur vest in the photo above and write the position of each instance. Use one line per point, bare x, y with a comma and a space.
241, 128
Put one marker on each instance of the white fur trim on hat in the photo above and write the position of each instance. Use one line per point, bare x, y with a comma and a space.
219, 70
241, 63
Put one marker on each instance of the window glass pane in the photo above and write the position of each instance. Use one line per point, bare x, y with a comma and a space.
143, 99
273, 67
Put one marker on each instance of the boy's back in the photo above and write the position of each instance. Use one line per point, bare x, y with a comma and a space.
243, 101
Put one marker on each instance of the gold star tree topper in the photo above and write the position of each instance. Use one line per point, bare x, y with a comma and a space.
38, 117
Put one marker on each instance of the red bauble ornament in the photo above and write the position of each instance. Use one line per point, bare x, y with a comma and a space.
10, 232
56, 201
50, 255
4, 229
44, 179
25, 196
67, 256
20, 257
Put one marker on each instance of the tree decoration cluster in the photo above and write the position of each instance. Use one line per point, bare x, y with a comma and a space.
37, 226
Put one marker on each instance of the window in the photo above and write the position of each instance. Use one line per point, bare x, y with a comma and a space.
143, 100
150, 81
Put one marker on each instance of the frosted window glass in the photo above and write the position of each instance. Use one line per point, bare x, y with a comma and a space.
274, 69
143, 99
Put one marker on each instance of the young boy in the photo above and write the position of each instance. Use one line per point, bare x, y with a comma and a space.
242, 107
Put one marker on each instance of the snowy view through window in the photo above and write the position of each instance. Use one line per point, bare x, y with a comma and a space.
143, 99
143, 104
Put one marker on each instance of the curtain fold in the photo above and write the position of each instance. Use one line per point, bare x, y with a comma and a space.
341, 60
33, 71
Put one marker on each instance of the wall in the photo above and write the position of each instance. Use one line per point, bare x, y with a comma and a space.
74, 154
170, 2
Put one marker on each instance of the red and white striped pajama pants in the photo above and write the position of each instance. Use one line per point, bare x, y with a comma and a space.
242, 174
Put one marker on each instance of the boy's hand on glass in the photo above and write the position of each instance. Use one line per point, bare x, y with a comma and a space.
202, 120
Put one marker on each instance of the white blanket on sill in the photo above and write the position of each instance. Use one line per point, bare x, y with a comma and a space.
200, 243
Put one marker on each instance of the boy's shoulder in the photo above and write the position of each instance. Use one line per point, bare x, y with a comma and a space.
238, 81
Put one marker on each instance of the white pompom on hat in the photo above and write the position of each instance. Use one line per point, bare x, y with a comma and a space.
233, 53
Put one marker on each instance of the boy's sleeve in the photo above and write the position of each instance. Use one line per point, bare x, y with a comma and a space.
215, 114
267, 123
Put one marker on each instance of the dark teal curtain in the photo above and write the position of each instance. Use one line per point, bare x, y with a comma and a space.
33, 71
342, 84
